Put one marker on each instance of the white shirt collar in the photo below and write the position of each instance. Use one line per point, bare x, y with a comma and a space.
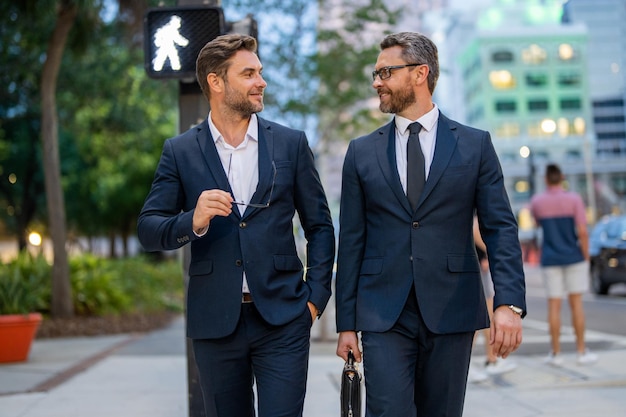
251, 133
428, 121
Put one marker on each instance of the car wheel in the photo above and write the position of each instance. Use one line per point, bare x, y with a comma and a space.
597, 285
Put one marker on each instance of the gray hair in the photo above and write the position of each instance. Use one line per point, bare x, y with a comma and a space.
416, 49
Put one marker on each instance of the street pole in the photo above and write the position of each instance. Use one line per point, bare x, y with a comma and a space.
591, 194
531, 174
192, 108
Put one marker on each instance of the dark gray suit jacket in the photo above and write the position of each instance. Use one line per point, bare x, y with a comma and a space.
385, 248
261, 242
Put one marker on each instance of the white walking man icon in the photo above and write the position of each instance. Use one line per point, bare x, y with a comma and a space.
165, 39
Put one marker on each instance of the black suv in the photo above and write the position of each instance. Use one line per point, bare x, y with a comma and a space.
607, 252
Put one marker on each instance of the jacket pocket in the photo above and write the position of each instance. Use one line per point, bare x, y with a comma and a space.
287, 263
372, 266
201, 268
458, 170
462, 263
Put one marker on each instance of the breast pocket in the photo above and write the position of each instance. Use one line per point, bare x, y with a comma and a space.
284, 172
459, 170
201, 268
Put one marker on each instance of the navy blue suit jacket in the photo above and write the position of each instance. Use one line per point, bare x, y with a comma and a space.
385, 247
261, 242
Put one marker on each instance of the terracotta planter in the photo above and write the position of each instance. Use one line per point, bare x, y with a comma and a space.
17, 332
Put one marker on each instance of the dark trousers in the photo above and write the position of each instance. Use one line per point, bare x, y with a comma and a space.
410, 371
275, 357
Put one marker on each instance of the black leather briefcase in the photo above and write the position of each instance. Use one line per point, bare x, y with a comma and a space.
350, 389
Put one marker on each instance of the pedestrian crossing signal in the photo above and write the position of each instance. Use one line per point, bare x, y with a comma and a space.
173, 37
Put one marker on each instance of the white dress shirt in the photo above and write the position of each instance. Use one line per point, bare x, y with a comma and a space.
427, 136
241, 165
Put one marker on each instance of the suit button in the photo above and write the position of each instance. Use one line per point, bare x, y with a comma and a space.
243, 225
238, 262
415, 225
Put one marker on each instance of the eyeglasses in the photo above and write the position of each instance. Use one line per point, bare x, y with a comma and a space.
385, 72
269, 199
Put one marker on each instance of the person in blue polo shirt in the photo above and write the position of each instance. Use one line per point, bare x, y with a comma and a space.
564, 259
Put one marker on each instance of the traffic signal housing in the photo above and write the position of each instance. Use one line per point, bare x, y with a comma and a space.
173, 37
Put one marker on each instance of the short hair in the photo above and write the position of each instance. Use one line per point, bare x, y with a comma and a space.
416, 49
215, 55
554, 175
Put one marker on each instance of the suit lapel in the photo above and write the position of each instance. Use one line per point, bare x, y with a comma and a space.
266, 170
213, 161
386, 152
444, 148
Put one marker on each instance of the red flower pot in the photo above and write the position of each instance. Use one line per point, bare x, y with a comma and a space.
17, 332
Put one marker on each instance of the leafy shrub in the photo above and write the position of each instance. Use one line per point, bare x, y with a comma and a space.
99, 286
96, 288
103, 286
24, 284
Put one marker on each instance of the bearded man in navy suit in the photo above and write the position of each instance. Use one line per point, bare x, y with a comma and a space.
231, 187
408, 277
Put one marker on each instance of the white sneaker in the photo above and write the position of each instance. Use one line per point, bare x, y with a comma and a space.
587, 358
501, 366
474, 376
553, 359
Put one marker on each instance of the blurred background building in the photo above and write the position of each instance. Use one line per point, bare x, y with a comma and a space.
547, 79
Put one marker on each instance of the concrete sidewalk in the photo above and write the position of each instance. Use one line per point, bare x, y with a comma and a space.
145, 375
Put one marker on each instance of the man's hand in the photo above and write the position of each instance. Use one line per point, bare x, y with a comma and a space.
348, 341
314, 311
506, 331
211, 203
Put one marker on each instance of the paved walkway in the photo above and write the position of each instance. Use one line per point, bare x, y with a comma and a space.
145, 375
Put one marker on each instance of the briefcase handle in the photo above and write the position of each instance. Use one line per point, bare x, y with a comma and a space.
351, 388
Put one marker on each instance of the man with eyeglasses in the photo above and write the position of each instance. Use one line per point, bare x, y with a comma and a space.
408, 276
231, 187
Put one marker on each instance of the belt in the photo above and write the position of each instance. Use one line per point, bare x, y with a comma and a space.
246, 298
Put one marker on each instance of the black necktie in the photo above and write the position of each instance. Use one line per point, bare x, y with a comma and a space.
415, 174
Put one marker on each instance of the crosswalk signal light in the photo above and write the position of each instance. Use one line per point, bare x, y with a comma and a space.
173, 37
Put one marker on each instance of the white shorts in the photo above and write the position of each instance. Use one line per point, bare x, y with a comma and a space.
566, 279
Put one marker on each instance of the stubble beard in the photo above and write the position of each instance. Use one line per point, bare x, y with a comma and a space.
240, 103
398, 100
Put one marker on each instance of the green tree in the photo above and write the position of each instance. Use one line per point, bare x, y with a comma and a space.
287, 30
318, 72
343, 65
118, 122
132, 115
22, 44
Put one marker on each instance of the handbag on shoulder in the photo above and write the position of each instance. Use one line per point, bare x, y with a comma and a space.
350, 388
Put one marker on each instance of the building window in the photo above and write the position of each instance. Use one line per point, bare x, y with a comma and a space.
612, 135
579, 125
508, 130
542, 128
573, 155
506, 106
609, 119
538, 105
502, 80
609, 103
536, 80
569, 80
570, 104
502, 56
564, 127
534, 54
566, 52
